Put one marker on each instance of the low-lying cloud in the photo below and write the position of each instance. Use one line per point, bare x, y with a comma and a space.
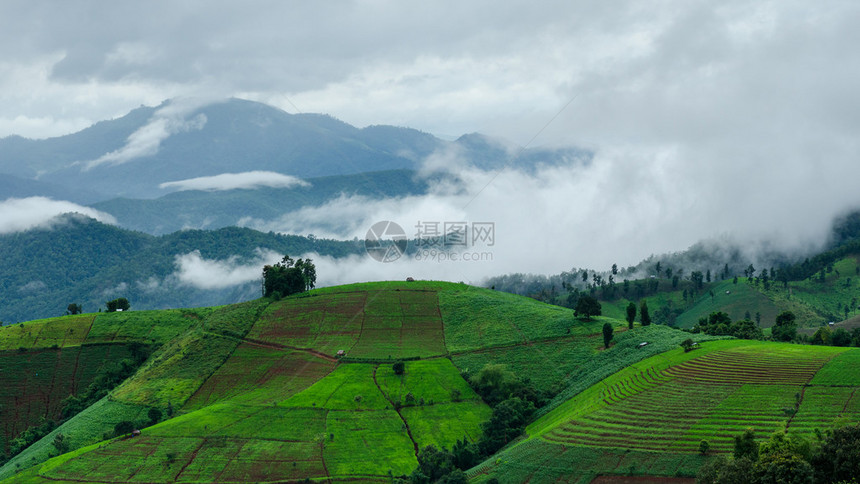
621, 207
19, 214
166, 121
232, 181
193, 270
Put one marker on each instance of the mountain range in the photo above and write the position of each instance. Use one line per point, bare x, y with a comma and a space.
134, 155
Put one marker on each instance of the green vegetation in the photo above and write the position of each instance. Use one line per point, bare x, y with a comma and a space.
788, 459
118, 304
46, 333
586, 307
39, 384
434, 377
288, 277
88, 262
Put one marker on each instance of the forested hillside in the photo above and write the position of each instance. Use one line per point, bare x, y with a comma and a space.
82, 261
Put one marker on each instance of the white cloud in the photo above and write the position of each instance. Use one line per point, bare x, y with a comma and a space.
232, 181
19, 214
194, 270
165, 122
32, 286
116, 291
621, 207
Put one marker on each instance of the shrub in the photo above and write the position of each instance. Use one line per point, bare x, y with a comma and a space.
154, 415
687, 344
124, 427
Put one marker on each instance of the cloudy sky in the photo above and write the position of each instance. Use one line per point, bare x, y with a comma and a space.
707, 118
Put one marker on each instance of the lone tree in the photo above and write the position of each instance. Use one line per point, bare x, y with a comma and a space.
785, 328
289, 277
607, 334
643, 314
74, 309
118, 304
631, 314
688, 345
586, 307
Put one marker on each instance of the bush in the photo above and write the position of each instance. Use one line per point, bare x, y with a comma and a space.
60, 444
399, 367
123, 427
154, 415
118, 304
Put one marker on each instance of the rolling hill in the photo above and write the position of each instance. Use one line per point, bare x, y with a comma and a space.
257, 392
259, 381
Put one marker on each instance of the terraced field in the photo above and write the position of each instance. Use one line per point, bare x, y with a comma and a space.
386, 324
713, 396
540, 461
664, 406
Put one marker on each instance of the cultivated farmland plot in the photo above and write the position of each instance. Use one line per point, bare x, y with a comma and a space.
714, 396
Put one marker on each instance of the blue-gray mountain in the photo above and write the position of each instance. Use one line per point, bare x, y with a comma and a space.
155, 145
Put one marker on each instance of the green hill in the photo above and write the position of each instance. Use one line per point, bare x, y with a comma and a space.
652, 416
229, 372
814, 300
257, 392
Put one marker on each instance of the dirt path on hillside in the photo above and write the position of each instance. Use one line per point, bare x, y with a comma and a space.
278, 346
190, 460
396, 409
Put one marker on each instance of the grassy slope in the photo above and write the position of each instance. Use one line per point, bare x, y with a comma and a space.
812, 301
828, 298
280, 397
670, 402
